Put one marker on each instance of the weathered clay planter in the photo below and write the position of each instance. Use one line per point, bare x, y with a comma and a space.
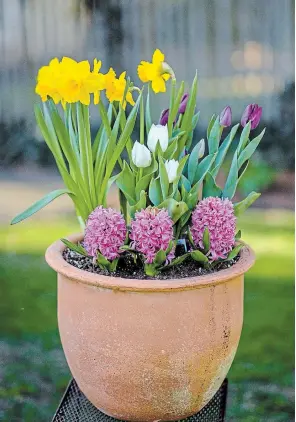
149, 350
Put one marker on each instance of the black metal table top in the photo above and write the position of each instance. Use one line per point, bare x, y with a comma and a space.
75, 407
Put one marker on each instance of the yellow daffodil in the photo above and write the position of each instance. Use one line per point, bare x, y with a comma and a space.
69, 81
156, 72
78, 82
115, 88
48, 81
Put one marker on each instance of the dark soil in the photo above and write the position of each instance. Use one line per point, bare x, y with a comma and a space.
127, 268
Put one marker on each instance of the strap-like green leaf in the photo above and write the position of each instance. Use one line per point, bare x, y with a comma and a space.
164, 180
155, 194
232, 179
76, 247
193, 160
215, 136
203, 168
244, 137
199, 256
141, 204
250, 149
210, 125
38, 205
240, 207
222, 151
126, 182
206, 240
210, 188
234, 252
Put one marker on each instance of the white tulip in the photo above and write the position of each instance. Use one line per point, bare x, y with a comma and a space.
171, 168
141, 155
201, 151
158, 133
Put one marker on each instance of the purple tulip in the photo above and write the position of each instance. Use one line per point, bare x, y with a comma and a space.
183, 103
226, 117
164, 117
251, 114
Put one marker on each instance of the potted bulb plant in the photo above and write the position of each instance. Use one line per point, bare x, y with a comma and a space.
150, 298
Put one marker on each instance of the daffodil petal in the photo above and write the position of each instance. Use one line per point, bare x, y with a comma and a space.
166, 76
158, 56
158, 85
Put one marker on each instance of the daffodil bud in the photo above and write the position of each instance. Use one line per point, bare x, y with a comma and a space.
164, 117
158, 133
171, 168
141, 155
251, 114
225, 117
202, 147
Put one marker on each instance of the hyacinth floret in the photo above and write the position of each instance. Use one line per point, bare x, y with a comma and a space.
218, 216
151, 231
105, 232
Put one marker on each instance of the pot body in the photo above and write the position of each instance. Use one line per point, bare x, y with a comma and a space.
149, 355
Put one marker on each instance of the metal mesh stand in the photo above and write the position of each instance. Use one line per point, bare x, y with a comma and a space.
75, 407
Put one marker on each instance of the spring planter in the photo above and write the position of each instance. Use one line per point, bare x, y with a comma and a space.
147, 350
150, 297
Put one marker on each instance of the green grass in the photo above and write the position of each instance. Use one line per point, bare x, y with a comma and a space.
34, 372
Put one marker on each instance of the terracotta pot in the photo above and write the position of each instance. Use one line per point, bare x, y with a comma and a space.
149, 350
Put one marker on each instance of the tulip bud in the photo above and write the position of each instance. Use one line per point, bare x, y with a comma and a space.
183, 103
158, 133
251, 114
201, 151
225, 117
171, 168
164, 117
141, 155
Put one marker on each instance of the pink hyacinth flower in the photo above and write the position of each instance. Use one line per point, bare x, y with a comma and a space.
218, 216
105, 232
151, 231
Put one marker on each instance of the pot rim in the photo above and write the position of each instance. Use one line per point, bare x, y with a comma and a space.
55, 260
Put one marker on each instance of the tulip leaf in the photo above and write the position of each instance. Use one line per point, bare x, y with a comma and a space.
141, 204
175, 209
241, 207
244, 137
203, 168
250, 149
235, 251
210, 125
210, 188
199, 257
185, 182
222, 151
193, 196
142, 184
164, 180
38, 205
126, 183
76, 247
215, 136
193, 160
155, 194
194, 122
232, 179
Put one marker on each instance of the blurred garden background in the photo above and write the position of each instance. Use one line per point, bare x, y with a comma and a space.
244, 53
